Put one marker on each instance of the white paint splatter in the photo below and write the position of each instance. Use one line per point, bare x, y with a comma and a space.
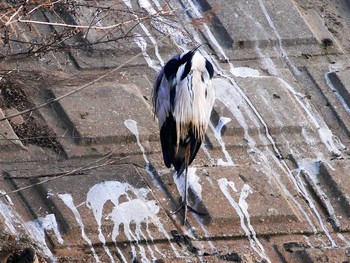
242, 210
9, 215
136, 212
68, 201
97, 196
132, 126
36, 229
132, 211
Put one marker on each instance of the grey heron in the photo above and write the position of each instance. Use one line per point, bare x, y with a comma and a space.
183, 98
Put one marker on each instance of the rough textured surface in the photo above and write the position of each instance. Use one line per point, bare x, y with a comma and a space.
84, 174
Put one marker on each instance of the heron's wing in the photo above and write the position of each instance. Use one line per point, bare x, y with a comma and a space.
156, 87
164, 90
168, 140
163, 99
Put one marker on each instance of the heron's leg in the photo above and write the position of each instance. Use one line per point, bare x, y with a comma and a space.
185, 201
185, 205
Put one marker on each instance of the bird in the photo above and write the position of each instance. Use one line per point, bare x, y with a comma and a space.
183, 98
27, 255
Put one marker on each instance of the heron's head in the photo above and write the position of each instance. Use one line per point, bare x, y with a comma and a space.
193, 60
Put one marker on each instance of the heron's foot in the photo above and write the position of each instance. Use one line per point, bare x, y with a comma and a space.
189, 208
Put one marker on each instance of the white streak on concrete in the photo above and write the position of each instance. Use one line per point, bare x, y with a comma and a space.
96, 198
132, 126
142, 44
208, 32
337, 94
148, 34
166, 26
206, 151
8, 214
282, 51
242, 210
244, 72
341, 237
324, 132
313, 208
36, 229
311, 169
193, 182
68, 201
217, 133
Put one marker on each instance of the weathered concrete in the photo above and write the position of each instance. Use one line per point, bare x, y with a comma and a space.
271, 177
8, 139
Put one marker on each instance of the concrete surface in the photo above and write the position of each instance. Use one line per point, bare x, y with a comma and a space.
84, 175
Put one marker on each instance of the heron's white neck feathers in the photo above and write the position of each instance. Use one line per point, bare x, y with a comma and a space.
198, 62
194, 99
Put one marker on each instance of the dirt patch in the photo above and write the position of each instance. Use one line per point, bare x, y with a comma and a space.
32, 130
335, 15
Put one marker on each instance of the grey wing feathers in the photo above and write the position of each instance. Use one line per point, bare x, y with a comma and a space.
156, 87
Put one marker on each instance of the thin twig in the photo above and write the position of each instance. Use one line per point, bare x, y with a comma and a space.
44, 4
82, 168
92, 27
14, 14
12, 142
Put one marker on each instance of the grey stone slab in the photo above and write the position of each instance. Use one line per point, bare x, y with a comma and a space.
319, 29
274, 104
105, 206
248, 29
98, 113
230, 198
341, 81
327, 96
8, 138
332, 186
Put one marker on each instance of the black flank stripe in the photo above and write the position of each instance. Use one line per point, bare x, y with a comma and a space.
187, 61
209, 68
171, 68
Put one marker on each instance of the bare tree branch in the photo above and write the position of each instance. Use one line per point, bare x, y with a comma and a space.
93, 165
160, 13
82, 87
